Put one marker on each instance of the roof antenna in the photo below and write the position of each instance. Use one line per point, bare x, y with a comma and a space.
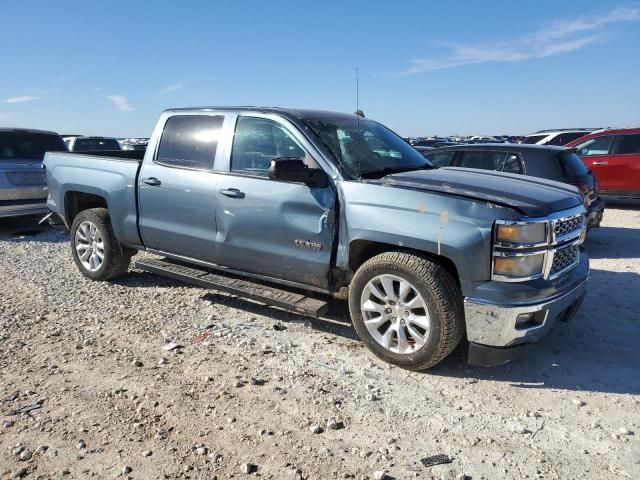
357, 92
358, 113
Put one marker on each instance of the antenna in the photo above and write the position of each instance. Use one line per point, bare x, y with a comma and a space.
357, 91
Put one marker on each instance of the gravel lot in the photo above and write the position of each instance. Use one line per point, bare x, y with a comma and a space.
260, 390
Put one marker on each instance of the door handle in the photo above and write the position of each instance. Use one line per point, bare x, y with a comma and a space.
601, 163
153, 181
232, 193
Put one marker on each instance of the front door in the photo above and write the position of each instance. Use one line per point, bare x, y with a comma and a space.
272, 228
177, 188
595, 154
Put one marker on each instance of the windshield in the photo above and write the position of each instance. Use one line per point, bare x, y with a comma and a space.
95, 144
531, 139
28, 145
364, 148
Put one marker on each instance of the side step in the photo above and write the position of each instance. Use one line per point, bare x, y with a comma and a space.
273, 296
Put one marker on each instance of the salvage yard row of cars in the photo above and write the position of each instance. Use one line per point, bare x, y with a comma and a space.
289, 207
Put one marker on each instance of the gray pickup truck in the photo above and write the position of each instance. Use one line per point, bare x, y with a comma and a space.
287, 207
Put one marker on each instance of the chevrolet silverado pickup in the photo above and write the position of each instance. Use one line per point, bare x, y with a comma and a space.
287, 207
23, 185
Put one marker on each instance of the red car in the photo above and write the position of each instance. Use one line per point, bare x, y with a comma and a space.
613, 155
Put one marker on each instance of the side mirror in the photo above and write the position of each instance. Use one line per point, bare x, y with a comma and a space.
293, 169
583, 151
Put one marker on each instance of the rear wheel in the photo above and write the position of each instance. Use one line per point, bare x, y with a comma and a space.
95, 249
407, 309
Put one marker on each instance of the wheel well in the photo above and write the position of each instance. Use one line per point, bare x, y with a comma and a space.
362, 250
76, 202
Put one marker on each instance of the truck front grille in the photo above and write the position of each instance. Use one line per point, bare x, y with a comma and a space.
566, 226
564, 259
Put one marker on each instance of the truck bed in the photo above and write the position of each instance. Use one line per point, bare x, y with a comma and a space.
113, 178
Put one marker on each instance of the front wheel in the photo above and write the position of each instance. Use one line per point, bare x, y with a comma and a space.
407, 309
95, 249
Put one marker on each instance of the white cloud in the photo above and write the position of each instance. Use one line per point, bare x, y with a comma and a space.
121, 102
21, 99
171, 88
560, 36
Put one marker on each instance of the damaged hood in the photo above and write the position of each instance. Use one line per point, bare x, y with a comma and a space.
532, 196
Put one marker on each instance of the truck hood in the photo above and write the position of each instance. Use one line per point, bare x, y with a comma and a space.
531, 196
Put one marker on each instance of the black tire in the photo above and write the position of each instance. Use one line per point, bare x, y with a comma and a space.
442, 297
116, 258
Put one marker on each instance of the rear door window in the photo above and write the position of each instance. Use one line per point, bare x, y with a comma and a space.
190, 141
440, 159
595, 146
629, 144
488, 160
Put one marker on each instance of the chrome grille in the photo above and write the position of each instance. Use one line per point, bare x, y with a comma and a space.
567, 226
564, 258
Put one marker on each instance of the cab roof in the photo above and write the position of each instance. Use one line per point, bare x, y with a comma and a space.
299, 113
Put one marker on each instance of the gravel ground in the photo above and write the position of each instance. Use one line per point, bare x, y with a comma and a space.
254, 389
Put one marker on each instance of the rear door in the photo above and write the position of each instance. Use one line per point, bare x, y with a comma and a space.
596, 153
624, 164
177, 187
273, 228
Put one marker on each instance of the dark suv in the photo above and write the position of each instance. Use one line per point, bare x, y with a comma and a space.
550, 162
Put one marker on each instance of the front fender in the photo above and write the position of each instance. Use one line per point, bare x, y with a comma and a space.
449, 226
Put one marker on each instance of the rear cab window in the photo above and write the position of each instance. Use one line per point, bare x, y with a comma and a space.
190, 141
96, 144
29, 145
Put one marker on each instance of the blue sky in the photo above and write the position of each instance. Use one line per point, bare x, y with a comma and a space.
426, 67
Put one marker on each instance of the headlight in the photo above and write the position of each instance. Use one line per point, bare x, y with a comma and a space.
519, 267
529, 233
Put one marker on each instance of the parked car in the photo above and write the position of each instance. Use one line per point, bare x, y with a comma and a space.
556, 137
23, 186
298, 198
553, 163
92, 144
614, 157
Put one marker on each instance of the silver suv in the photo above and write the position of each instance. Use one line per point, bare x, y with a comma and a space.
23, 182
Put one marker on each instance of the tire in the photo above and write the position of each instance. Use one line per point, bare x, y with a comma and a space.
115, 258
432, 286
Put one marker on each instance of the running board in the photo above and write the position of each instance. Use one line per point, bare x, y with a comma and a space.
257, 292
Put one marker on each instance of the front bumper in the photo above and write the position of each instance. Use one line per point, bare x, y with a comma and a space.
22, 208
498, 331
595, 213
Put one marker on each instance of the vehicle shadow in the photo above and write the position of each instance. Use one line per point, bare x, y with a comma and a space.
613, 242
336, 321
620, 204
598, 350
